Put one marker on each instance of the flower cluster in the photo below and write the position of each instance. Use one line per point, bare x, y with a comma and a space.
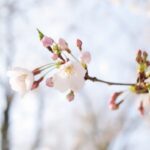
66, 73
141, 87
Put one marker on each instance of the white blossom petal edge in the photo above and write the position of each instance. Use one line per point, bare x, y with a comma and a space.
21, 79
70, 76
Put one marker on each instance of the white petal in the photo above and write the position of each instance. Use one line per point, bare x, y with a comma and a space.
60, 83
21, 79
76, 86
29, 81
17, 86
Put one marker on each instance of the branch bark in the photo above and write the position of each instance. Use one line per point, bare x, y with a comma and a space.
95, 79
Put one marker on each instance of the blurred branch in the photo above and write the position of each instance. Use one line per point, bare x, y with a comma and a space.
40, 115
5, 125
93, 132
10, 6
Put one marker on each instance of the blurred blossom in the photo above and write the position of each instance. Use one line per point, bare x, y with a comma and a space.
85, 57
21, 80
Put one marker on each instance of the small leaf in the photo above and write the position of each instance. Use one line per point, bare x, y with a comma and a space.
41, 35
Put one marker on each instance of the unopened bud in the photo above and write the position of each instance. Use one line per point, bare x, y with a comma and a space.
36, 83
63, 45
49, 82
70, 96
47, 41
36, 71
141, 109
79, 44
138, 59
139, 56
54, 56
115, 106
112, 103
85, 57
145, 55
148, 63
139, 53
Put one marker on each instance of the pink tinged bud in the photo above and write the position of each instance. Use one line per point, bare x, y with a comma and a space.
36, 71
113, 106
47, 41
145, 54
49, 82
139, 53
54, 56
63, 44
112, 103
70, 96
85, 57
139, 56
79, 44
141, 109
37, 83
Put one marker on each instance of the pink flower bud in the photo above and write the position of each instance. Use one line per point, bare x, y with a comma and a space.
37, 83
145, 54
112, 102
79, 44
49, 82
47, 41
114, 106
54, 56
85, 57
139, 53
63, 44
36, 71
70, 96
141, 109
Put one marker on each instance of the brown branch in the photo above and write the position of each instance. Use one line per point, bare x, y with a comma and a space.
95, 79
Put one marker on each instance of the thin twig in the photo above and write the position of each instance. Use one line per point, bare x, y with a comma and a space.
95, 79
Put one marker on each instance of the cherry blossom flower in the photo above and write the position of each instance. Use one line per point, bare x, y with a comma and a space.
85, 57
70, 76
21, 79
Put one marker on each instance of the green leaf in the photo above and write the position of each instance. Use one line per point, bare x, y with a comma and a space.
41, 35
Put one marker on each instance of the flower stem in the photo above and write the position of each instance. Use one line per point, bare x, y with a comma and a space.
46, 65
52, 68
74, 57
95, 79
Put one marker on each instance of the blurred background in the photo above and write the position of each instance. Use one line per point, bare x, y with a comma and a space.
113, 31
